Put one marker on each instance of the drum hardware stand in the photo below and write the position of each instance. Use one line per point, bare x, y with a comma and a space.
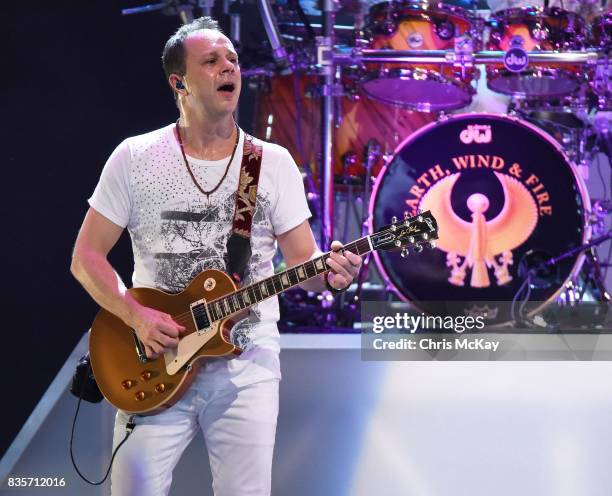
463, 53
234, 16
338, 93
206, 6
311, 188
326, 65
534, 269
305, 22
357, 56
184, 9
279, 53
538, 273
372, 154
581, 155
603, 129
595, 277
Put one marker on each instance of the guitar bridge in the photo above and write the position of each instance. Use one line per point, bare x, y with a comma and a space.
140, 352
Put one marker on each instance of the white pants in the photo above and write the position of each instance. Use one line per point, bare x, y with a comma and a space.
239, 427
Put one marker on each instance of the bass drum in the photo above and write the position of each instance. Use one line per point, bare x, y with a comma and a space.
503, 192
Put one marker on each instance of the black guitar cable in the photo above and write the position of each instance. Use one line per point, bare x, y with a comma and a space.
129, 427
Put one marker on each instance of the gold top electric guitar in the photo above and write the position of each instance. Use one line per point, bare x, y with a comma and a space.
208, 308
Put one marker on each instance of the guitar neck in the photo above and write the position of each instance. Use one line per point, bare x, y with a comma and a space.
262, 290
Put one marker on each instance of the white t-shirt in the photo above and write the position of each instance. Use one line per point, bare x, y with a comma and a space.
177, 232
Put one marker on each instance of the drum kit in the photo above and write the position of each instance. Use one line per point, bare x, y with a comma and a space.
376, 104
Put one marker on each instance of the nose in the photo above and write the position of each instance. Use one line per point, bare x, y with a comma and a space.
228, 66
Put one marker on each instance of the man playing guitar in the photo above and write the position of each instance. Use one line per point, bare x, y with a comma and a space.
174, 189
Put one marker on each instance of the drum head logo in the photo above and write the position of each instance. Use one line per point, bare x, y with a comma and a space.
475, 133
472, 248
516, 59
415, 40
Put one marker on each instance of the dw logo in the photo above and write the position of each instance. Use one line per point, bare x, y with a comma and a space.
476, 133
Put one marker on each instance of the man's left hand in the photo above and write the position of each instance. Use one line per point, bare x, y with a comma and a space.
344, 266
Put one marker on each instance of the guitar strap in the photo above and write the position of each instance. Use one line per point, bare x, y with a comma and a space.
238, 250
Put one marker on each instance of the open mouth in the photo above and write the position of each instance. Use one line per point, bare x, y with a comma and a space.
227, 87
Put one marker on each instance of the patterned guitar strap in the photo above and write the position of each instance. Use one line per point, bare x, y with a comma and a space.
238, 252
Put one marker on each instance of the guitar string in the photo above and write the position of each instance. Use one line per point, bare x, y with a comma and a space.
275, 279
186, 317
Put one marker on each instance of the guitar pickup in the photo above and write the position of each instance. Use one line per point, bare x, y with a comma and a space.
199, 313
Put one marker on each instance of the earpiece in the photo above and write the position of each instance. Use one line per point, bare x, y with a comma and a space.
179, 85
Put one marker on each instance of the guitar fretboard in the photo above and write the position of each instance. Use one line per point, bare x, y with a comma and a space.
266, 288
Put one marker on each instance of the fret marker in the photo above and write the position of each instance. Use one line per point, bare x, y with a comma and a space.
263, 289
245, 295
227, 308
300, 272
284, 280
319, 264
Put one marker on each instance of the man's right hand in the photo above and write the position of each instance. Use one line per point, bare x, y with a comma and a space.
156, 330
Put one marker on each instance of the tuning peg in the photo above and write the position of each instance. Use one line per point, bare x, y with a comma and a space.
420, 218
405, 252
393, 219
398, 243
418, 248
406, 215
425, 236
411, 239
431, 244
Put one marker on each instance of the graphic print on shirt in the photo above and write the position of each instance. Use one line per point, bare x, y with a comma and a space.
194, 237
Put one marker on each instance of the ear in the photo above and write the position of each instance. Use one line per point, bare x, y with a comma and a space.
178, 84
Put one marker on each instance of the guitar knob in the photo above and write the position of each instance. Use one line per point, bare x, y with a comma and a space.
146, 375
418, 248
160, 388
140, 395
431, 244
405, 252
128, 383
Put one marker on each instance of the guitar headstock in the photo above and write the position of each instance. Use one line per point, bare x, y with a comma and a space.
415, 232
